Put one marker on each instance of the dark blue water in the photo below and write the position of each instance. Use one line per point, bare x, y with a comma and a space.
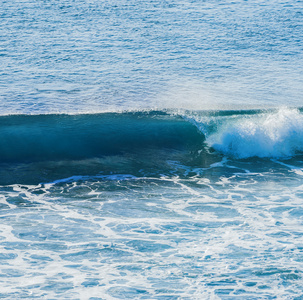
151, 149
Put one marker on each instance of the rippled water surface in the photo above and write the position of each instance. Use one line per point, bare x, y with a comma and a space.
71, 56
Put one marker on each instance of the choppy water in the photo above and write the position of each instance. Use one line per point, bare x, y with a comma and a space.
151, 150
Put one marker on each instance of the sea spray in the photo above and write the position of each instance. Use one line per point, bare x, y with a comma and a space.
277, 134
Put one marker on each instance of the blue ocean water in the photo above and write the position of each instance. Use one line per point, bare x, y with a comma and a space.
151, 149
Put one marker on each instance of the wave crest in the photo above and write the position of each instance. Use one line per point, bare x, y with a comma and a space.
278, 135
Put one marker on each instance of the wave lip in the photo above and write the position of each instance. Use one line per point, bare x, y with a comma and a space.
272, 135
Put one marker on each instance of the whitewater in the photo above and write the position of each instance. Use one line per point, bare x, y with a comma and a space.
151, 149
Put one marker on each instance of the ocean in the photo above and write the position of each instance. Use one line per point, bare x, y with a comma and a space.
151, 149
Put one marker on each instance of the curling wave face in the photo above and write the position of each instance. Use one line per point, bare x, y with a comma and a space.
55, 137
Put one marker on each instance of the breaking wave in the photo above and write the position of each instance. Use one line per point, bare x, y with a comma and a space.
274, 135
44, 148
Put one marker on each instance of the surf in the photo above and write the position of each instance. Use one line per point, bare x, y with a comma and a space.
43, 148
271, 134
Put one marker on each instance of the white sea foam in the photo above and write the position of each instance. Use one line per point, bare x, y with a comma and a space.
164, 237
278, 134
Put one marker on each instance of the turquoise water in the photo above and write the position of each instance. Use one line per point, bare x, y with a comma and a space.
151, 150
